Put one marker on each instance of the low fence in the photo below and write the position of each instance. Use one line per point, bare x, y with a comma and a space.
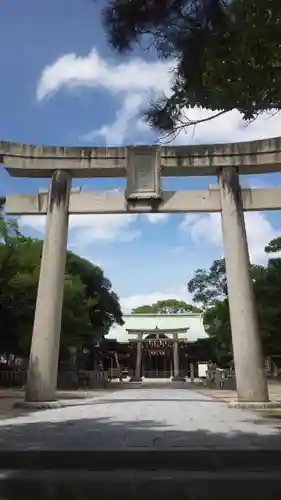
66, 379
217, 378
12, 378
85, 379
82, 379
165, 374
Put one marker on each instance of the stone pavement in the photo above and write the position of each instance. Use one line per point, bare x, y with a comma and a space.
10, 397
228, 396
146, 419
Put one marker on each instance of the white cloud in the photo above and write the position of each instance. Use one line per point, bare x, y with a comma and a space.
116, 132
89, 228
36, 222
86, 228
142, 126
155, 218
207, 229
133, 301
135, 83
135, 75
228, 128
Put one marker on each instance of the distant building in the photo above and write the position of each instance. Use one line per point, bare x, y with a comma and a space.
159, 345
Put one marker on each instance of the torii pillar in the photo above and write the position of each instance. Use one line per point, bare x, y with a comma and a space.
44, 353
137, 377
176, 359
246, 339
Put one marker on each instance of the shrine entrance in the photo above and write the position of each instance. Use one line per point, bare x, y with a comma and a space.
144, 167
157, 356
157, 353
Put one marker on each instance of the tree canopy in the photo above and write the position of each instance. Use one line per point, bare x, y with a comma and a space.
210, 285
274, 246
169, 306
226, 53
90, 305
209, 289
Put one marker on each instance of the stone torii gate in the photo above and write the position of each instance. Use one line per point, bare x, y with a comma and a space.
143, 166
140, 338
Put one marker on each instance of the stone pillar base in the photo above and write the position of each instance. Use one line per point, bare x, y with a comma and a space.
255, 405
178, 378
134, 378
38, 405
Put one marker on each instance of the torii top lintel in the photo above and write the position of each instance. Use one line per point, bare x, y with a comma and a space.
146, 331
23, 160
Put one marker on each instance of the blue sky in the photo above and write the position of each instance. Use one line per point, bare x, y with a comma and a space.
62, 84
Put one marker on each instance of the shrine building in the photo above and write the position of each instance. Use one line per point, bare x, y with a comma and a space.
160, 345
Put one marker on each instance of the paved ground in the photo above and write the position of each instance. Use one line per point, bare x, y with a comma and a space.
152, 418
8, 398
227, 396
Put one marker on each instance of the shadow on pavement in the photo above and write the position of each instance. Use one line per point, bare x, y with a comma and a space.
140, 460
97, 434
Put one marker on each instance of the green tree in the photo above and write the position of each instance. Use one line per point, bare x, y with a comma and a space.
226, 53
9, 235
90, 305
216, 322
209, 286
274, 245
169, 306
103, 303
8, 227
210, 289
268, 291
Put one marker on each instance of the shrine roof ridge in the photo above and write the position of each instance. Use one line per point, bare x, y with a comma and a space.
157, 330
162, 315
192, 324
39, 161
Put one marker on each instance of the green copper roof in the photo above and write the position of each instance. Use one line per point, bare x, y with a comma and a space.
149, 322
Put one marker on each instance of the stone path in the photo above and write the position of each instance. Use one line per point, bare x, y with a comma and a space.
8, 399
227, 396
140, 419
